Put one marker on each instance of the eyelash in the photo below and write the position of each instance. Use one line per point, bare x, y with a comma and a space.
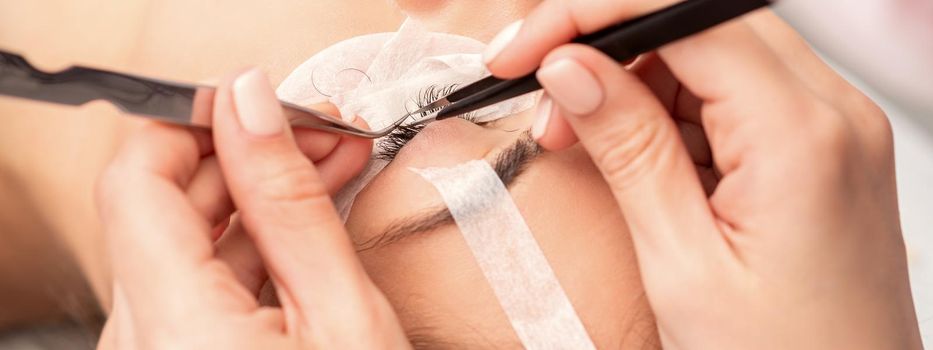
393, 143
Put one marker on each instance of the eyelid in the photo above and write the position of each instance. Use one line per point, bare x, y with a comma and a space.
488, 123
411, 227
395, 141
509, 164
391, 144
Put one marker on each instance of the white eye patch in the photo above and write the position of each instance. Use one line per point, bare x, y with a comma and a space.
377, 77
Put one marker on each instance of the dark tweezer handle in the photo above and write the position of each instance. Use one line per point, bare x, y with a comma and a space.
623, 41
78, 85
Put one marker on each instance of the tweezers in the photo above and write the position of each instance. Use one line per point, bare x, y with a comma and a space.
179, 103
623, 41
191, 104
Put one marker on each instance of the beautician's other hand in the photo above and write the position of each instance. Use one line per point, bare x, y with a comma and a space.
798, 245
175, 289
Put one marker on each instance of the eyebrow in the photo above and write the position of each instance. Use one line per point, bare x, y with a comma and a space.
508, 165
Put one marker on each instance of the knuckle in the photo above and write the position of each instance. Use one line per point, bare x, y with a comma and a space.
625, 155
858, 102
830, 131
871, 121
851, 132
292, 181
878, 129
881, 135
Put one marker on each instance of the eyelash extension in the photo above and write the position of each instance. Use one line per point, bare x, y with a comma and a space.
393, 143
433, 93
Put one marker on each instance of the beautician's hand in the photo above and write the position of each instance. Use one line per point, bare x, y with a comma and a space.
798, 246
175, 289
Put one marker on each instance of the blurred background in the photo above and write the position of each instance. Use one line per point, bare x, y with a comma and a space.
50, 255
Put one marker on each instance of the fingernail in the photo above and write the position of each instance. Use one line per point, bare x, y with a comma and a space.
501, 41
542, 117
572, 86
257, 106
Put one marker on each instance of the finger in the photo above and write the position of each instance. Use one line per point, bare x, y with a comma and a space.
267, 295
557, 134
695, 141
125, 332
285, 207
550, 128
107, 339
118, 332
636, 146
688, 107
315, 144
348, 158
520, 48
337, 158
553, 132
752, 104
156, 238
677, 100
219, 229
208, 193
708, 178
237, 250
730, 50
655, 74
683, 106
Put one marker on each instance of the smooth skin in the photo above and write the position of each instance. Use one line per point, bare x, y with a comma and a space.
799, 244
169, 188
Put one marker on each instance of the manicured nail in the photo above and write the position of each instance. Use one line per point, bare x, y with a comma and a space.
572, 86
257, 106
501, 41
542, 117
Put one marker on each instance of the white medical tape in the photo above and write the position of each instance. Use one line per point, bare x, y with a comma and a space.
509, 256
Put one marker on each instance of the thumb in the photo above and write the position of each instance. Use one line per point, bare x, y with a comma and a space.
284, 205
635, 144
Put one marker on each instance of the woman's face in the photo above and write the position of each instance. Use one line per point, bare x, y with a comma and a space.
417, 256
421, 262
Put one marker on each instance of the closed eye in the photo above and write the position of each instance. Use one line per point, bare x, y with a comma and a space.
391, 144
